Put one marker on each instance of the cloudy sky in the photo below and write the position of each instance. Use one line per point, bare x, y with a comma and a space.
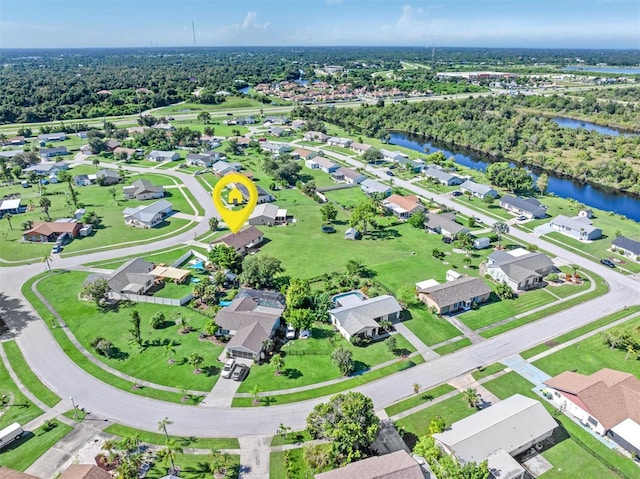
489, 23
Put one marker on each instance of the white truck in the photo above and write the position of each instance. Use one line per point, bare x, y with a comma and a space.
10, 434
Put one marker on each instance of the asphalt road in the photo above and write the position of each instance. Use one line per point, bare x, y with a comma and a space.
48, 361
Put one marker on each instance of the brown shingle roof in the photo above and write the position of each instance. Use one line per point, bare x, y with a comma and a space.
406, 202
6, 473
50, 227
242, 238
453, 292
84, 471
608, 395
397, 465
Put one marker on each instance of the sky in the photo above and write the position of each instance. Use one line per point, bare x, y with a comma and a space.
457, 23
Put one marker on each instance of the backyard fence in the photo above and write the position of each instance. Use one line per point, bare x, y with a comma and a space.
136, 298
186, 256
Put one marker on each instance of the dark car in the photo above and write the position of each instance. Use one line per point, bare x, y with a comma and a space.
390, 173
240, 372
456, 193
608, 262
447, 240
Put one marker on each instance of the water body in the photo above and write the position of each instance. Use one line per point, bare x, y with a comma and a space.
620, 70
245, 90
564, 188
605, 130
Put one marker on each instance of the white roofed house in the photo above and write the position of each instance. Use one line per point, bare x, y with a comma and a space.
204, 160
264, 214
443, 177
158, 155
393, 156
46, 153
324, 164
143, 190
356, 315
519, 269
578, 227
478, 190
360, 148
275, 148
221, 168
147, 216
347, 175
370, 187
529, 207
341, 142
11, 206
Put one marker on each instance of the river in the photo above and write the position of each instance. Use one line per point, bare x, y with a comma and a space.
615, 70
589, 195
605, 130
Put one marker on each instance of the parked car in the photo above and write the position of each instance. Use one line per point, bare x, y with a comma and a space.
521, 218
57, 249
240, 372
447, 240
304, 334
456, 193
608, 262
390, 173
63, 239
228, 368
291, 332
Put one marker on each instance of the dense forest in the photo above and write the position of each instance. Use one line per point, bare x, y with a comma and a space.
44, 85
510, 127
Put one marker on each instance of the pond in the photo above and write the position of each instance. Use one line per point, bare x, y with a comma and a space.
606, 200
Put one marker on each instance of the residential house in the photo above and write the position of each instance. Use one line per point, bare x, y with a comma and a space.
478, 190
127, 153
263, 195
444, 224
457, 295
347, 175
46, 153
393, 156
143, 190
83, 135
48, 231
316, 136
397, 465
46, 137
276, 120
443, 177
324, 164
278, 131
519, 268
164, 126
221, 168
578, 227
86, 150
371, 187
112, 145
13, 141
147, 216
11, 206
356, 315
529, 207
107, 177
84, 471
242, 241
341, 142
10, 153
402, 206
252, 317
159, 155
298, 124
411, 165
137, 130
303, 154
47, 168
627, 247
498, 434
241, 141
133, 277
275, 148
607, 401
360, 148
586, 213
82, 180
267, 214
204, 160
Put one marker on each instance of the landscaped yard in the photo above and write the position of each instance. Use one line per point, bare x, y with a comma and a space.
308, 361
193, 466
429, 328
20, 454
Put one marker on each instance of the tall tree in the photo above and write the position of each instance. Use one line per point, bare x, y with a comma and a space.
277, 362
225, 257
162, 427
363, 214
46, 258
195, 360
259, 271
500, 228
298, 293
471, 397
329, 213
214, 223
542, 183
136, 334
168, 455
342, 357
45, 204
8, 217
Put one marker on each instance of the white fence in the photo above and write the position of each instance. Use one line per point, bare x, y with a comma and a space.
188, 255
152, 299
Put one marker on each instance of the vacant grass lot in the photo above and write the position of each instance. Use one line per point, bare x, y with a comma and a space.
20, 454
308, 361
150, 363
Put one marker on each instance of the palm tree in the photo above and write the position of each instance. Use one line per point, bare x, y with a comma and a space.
630, 350
113, 193
278, 363
283, 430
195, 360
471, 396
267, 345
218, 463
162, 427
8, 217
45, 204
255, 392
169, 350
46, 258
168, 454
500, 228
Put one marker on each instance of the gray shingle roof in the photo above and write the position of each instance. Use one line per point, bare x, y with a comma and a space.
627, 244
530, 205
578, 223
453, 292
135, 271
373, 186
474, 187
139, 187
146, 213
522, 267
356, 316
444, 221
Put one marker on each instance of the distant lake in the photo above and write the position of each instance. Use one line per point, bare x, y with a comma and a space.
245, 90
606, 200
605, 130
621, 70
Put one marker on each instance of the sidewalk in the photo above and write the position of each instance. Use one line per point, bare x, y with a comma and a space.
425, 351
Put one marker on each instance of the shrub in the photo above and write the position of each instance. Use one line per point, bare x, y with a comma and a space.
157, 320
552, 277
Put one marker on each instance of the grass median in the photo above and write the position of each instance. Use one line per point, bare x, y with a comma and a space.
182, 441
420, 398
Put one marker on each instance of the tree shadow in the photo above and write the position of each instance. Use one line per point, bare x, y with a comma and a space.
291, 373
210, 370
384, 234
14, 315
359, 368
267, 401
118, 354
410, 440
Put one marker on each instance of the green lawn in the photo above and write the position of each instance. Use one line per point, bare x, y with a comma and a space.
308, 361
20, 454
571, 461
297, 469
21, 410
487, 371
292, 437
417, 399
159, 438
26, 376
429, 328
454, 346
166, 256
150, 364
347, 198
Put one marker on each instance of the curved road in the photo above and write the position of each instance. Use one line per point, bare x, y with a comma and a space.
49, 362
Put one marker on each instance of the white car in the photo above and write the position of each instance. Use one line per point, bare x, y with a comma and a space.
228, 368
291, 332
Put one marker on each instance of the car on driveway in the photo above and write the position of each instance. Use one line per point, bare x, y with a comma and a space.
304, 334
521, 218
57, 248
608, 262
240, 372
228, 368
456, 193
291, 332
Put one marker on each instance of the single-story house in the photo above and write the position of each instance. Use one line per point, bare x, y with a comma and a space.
265, 214
133, 277
316, 136
357, 315
43, 232
397, 465
107, 177
51, 152
252, 317
298, 124
241, 140
394, 156
143, 190
86, 150
627, 247
456, 295
347, 175
478, 190
529, 207
147, 216
10, 153
360, 148
276, 120
444, 224
112, 144
303, 154
204, 160
126, 152
608, 401
14, 141
221, 168
402, 206
263, 195
324, 164
278, 131
509, 427
341, 142
275, 148
47, 168
83, 135
11, 206
242, 241
370, 187
443, 177
159, 155
82, 180
578, 227
519, 269
60, 136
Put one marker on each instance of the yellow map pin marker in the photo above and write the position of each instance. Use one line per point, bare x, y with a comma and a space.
235, 219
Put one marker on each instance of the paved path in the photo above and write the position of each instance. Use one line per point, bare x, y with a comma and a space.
425, 351
221, 394
527, 370
466, 330
466, 381
254, 457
